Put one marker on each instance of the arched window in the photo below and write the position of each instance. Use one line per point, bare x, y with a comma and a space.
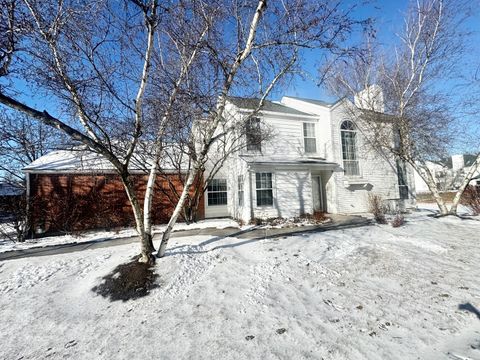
348, 132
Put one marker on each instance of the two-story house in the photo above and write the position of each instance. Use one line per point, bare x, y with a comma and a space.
316, 159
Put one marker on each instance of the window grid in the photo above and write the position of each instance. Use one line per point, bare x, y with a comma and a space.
263, 182
310, 141
217, 192
349, 148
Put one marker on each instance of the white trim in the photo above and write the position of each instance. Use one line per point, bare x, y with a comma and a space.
277, 114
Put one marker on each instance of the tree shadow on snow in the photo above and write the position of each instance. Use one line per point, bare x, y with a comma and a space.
200, 249
469, 307
128, 281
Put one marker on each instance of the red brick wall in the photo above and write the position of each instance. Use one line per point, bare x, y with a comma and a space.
75, 202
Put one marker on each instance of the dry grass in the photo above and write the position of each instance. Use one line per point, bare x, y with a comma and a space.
428, 198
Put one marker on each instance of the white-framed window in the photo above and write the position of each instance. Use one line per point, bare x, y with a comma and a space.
264, 187
309, 138
348, 132
253, 133
217, 192
241, 181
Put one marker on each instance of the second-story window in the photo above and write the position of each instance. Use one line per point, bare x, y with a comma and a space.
309, 139
348, 133
253, 133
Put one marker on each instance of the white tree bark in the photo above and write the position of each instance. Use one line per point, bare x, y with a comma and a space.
427, 176
50, 34
176, 212
206, 141
145, 240
149, 191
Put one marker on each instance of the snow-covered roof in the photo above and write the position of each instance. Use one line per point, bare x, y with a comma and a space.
314, 101
84, 161
10, 190
252, 104
288, 160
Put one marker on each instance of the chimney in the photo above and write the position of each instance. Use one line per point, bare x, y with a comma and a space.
458, 162
371, 98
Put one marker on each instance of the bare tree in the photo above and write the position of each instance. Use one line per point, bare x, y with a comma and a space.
231, 137
402, 97
88, 68
262, 48
22, 140
198, 52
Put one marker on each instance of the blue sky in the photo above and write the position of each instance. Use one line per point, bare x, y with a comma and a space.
388, 16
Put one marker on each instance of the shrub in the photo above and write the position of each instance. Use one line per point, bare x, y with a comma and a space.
256, 221
471, 199
240, 222
398, 220
377, 207
319, 216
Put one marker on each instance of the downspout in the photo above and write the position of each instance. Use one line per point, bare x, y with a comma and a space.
28, 216
250, 188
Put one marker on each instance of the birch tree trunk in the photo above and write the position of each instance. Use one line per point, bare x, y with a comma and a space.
149, 192
146, 244
176, 212
148, 199
427, 176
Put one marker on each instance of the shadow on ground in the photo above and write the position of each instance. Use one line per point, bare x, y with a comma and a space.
470, 308
128, 281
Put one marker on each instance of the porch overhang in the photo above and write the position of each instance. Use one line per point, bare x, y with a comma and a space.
308, 162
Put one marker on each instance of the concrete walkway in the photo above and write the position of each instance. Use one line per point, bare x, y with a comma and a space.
248, 235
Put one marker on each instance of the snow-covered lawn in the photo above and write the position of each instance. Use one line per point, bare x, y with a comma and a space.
8, 245
372, 292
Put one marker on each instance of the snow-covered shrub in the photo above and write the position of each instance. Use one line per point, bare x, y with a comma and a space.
398, 221
471, 199
303, 220
377, 207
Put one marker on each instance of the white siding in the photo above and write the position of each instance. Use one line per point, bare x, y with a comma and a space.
292, 194
292, 186
377, 172
287, 137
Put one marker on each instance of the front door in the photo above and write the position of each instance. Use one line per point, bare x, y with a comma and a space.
318, 194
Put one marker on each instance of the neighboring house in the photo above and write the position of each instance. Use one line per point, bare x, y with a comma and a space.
9, 195
440, 173
448, 173
315, 159
75, 190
